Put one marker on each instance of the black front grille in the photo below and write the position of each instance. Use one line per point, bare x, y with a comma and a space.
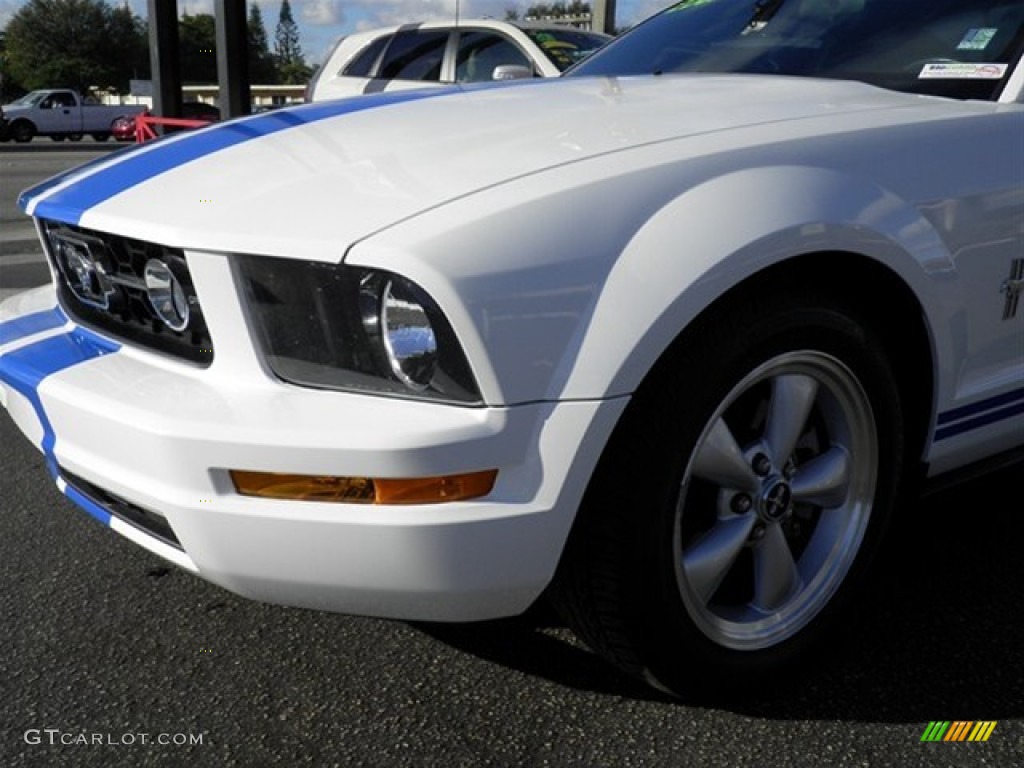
145, 520
103, 285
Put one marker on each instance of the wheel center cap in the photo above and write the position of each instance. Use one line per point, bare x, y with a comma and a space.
775, 500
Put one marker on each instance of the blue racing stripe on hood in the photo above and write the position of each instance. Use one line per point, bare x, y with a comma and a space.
25, 368
70, 203
60, 178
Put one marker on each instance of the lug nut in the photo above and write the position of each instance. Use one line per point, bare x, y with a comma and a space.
758, 532
761, 465
789, 470
741, 503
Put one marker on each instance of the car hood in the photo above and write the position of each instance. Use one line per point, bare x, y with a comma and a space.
309, 181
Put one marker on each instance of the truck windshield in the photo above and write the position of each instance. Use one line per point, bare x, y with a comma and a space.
29, 99
955, 48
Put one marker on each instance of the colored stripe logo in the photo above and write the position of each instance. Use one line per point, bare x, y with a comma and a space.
980, 414
959, 730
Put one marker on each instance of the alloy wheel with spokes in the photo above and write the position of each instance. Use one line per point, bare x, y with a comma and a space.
735, 514
776, 500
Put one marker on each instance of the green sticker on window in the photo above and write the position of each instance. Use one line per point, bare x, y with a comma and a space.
977, 39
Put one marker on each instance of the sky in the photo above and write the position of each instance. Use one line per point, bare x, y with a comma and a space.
321, 22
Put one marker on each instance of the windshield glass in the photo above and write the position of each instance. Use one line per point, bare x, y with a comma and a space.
957, 48
566, 46
29, 99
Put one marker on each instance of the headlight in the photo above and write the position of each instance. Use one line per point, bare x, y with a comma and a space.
340, 327
395, 315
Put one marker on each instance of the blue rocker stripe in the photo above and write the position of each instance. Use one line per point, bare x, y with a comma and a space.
988, 404
990, 417
982, 413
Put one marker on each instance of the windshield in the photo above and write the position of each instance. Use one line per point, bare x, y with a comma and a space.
29, 99
956, 48
566, 46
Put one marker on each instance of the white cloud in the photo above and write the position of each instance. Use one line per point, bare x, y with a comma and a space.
321, 12
195, 7
370, 13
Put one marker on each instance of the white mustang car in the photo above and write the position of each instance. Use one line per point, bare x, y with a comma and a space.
663, 339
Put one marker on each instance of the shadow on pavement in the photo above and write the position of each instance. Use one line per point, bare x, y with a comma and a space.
939, 637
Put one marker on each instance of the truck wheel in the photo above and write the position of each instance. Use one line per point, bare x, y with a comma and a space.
741, 500
100, 136
23, 131
57, 137
74, 137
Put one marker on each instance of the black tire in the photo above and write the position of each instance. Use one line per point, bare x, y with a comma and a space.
57, 137
22, 131
74, 137
665, 573
100, 136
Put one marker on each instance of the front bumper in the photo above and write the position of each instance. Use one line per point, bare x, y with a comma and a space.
123, 429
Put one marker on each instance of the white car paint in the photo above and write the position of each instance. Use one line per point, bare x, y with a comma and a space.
569, 230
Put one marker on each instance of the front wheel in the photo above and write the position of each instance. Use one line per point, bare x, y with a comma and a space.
22, 131
734, 515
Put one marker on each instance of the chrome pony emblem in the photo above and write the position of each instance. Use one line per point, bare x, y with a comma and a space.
82, 269
775, 501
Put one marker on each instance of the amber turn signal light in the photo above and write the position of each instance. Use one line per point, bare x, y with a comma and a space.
364, 490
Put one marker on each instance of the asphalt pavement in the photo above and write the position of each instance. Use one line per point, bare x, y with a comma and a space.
23, 165
105, 642
108, 652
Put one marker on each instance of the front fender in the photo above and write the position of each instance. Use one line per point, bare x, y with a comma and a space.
571, 286
723, 232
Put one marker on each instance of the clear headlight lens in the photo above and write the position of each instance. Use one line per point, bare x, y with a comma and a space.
341, 327
394, 311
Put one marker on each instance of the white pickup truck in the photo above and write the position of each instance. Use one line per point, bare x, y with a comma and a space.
60, 114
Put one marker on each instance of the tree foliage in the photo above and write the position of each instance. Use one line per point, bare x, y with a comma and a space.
542, 10
197, 47
9, 89
83, 44
262, 68
76, 44
291, 64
